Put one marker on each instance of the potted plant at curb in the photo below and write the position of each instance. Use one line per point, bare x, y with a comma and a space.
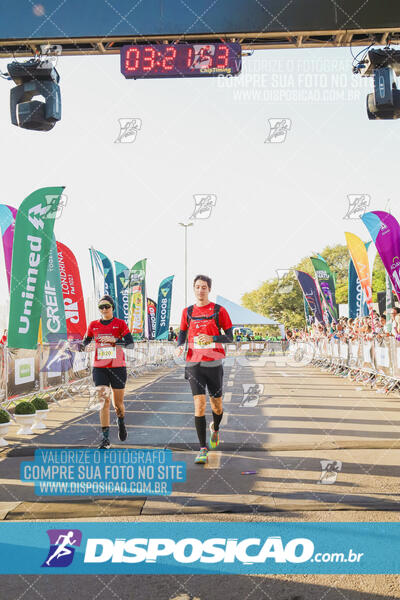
42, 408
25, 415
4, 425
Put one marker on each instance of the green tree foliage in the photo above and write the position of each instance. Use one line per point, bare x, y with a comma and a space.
283, 301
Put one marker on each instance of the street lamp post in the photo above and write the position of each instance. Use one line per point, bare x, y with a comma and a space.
186, 226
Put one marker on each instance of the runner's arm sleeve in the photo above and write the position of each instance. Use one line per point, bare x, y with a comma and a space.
126, 340
183, 329
182, 337
226, 338
85, 342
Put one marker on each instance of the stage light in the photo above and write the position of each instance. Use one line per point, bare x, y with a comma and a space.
34, 78
383, 65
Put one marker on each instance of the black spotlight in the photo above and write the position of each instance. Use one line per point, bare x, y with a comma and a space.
383, 66
35, 78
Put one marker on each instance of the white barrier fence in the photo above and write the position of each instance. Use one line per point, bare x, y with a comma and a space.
58, 370
373, 360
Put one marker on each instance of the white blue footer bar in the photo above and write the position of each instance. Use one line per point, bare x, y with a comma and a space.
199, 548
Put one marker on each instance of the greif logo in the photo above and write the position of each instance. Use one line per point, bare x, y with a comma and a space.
62, 547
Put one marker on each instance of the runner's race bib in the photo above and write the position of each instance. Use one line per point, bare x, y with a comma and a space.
202, 345
106, 353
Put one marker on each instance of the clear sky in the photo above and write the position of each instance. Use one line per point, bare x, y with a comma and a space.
276, 202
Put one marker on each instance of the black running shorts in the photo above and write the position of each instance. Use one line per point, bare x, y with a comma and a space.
201, 377
113, 376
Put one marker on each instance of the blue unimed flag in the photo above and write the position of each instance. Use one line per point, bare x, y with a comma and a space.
164, 308
310, 291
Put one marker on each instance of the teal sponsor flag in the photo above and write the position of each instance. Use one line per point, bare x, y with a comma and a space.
109, 285
164, 308
33, 236
54, 325
122, 276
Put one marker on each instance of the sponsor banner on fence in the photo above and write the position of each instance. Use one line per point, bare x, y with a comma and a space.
195, 548
23, 371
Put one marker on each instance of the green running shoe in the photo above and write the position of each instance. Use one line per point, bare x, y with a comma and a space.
201, 458
214, 439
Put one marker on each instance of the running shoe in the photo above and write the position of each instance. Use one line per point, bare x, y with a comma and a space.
122, 432
105, 444
201, 458
214, 439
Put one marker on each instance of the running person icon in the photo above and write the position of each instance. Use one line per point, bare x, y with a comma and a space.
201, 325
62, 549
109, 368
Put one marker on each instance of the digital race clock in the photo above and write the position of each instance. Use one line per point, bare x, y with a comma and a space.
180, 60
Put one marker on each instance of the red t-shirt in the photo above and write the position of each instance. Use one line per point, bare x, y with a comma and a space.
106, 354
208, 326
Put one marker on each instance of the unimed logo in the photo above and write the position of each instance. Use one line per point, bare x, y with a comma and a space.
25, 370
190, 550
62, 542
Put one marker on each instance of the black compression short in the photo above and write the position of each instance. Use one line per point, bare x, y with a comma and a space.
113, 376
201, 377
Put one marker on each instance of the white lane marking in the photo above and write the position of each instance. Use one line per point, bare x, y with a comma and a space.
283, 373
214, 460
224, 420
227, 397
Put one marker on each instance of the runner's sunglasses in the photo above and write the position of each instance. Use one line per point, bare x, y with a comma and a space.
104, 306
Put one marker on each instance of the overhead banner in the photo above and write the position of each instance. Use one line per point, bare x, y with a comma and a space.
137, 299
71, 286
54, 327
122, 276
310, 292
359, 256
164, 308
109, 285
152, 318
97, 274
7, 226
385, 233
33, 235
326, 284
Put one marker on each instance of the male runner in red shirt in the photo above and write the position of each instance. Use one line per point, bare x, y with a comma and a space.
201, 324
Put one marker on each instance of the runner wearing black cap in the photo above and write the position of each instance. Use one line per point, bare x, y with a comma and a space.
109, 367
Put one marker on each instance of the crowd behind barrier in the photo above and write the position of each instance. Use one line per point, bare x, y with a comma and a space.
374, 362
58, 370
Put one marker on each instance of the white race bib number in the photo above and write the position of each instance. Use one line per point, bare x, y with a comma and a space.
202, 346
106, 353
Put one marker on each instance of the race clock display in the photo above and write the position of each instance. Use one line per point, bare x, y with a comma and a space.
180, 60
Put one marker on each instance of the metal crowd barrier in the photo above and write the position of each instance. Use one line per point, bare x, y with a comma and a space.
376, 363
58, 371
256, 348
